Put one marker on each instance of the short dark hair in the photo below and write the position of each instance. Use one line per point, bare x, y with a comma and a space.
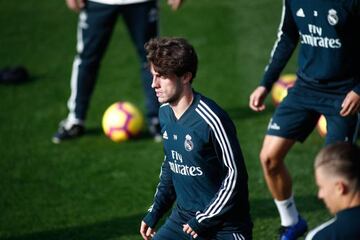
341, 159
171, 55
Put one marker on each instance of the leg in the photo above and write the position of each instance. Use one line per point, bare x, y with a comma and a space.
277, 177
292, 121
342, 129
279, 183
95, 27
170, 231
142, 23
275, 172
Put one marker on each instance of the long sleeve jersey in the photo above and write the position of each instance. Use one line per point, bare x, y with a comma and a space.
203, 171
329, 35
344, 226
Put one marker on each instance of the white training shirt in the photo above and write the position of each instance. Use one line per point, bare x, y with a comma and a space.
119, 2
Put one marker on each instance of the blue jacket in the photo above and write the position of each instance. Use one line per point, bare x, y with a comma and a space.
203, 172
345, 226
329, 35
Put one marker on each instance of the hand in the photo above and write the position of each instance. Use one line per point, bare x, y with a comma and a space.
351, 104
146, 232
75, 5
187, 229
257, 99
175, 4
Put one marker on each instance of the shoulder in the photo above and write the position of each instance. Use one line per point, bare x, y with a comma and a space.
210, 109
322, 232
212, 113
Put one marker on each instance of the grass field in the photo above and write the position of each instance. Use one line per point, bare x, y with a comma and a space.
92, 188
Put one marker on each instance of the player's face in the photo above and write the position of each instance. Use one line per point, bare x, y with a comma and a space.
328, 189
168, 89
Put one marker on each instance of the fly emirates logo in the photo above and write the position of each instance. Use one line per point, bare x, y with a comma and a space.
316, 39
178, 167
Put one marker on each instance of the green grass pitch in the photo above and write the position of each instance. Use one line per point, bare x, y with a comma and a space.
92, 188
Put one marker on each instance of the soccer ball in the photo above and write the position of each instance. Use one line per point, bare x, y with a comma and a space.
281, 86
321, 126
122, 121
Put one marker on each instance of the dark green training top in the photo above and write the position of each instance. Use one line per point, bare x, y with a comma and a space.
328, 32
203, 172
345, 226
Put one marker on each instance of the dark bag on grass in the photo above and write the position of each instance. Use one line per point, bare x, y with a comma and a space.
14, 75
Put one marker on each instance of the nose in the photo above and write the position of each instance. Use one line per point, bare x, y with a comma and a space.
154, 82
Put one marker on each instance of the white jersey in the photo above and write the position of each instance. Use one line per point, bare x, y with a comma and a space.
119, 2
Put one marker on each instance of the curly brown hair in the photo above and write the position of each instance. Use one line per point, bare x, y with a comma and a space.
171, 55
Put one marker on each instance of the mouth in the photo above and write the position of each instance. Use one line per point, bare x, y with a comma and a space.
158, 94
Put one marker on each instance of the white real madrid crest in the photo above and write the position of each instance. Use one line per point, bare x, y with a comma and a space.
188, 144
332, 17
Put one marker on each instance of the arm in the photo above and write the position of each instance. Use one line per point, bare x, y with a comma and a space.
233, 189
281, 53
146, 232
351, 103
175, 4
287, 40
257, 99
163, 200
75, 5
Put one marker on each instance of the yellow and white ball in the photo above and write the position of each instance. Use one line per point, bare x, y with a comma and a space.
321, 126
122, 121
281, 86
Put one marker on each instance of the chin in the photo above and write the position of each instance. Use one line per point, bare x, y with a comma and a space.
162, 101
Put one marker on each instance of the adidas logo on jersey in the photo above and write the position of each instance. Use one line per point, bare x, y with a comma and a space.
300, 13
165, 135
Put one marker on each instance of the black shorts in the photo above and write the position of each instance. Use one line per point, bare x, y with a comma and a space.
297, 116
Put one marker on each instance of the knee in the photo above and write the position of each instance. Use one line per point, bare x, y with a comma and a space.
270, 163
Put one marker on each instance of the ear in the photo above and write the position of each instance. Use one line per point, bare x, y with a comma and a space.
341, 188
186, 78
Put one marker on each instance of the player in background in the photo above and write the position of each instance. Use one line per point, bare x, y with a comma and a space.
337, 172
97, 20
203, 173
328, 83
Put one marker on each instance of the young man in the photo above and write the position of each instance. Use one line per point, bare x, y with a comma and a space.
203, 173
337, 172
97, 20
328, 83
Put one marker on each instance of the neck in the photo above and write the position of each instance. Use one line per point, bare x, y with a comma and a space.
354, 200
184, 102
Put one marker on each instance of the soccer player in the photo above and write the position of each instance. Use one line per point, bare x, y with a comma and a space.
337, 172
328, 83
97, 21
203, 174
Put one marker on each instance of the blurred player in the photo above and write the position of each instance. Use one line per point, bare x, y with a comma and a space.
203, 172
337, 172
328, 83
97, 20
